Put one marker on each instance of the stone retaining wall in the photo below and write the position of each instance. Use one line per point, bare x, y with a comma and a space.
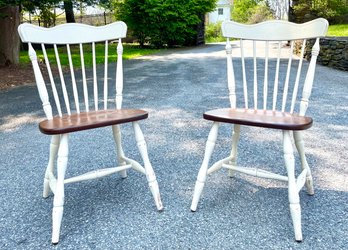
333, 52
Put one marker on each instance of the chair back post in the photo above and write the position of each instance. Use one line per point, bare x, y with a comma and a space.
119, 75
307, 88
40, 83
230, 75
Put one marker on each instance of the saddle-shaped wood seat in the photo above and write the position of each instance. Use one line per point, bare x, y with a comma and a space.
90, 120
260, 118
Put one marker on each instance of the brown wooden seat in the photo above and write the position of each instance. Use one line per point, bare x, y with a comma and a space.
260, 118
90, 120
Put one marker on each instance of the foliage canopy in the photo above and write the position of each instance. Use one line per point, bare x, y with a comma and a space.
251, 11
329, 9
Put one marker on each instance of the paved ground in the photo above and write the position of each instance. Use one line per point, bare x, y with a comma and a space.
112, 213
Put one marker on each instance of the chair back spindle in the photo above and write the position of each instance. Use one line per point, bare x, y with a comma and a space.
276, 77
95, 83
230, 76
106, 75
62, 80
54, 89
255, 75
73, 80
119, 76
84, 80
245, 86
265, 82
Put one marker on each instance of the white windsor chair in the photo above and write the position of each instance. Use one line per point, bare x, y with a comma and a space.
270, 114
59, 126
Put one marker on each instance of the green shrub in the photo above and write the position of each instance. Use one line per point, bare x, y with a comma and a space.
164, 22
213, 33
329, 9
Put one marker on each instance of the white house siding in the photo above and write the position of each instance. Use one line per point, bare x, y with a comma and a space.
221, 13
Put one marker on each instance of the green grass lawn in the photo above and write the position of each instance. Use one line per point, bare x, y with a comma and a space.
338, 30
334, 30
129, 51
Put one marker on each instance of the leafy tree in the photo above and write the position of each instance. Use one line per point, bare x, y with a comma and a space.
329, 9
163, 22
9, 39
260, 13
10, 19
243, 9
251, 11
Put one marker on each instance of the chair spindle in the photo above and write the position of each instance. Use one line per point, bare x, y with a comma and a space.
230, 77
65, 93
245, 86
295, 91
276, 77
265, 80
287, 78
73, 80
53, 85
84, 79
255, 75
95, 83
119, 75
106, 76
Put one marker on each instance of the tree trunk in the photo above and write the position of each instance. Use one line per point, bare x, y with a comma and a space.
9, 38
69, 11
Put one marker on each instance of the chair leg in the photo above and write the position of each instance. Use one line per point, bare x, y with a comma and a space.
300, 148
235, 140
150, 174
50, 166
294, 198
202, 174
58, 201
120, 154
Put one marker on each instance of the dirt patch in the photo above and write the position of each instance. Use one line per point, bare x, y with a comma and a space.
13, 76
16, 75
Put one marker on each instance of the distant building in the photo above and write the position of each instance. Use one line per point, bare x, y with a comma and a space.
221, 13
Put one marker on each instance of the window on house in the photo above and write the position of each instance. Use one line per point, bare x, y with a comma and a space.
220, 11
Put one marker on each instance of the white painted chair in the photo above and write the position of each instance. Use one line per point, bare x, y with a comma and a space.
88, 114
274, 107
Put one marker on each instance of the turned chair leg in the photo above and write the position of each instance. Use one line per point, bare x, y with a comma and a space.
58, 201
120, 154
234, 149
300, 148
50, 166
294, 198
202, 174
150, 174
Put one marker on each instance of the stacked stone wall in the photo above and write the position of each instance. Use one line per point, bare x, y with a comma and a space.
333, 52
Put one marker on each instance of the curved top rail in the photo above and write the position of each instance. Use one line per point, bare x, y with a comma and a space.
276, 30
66, 33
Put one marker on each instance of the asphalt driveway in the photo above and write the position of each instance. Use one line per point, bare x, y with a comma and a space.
176, 87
